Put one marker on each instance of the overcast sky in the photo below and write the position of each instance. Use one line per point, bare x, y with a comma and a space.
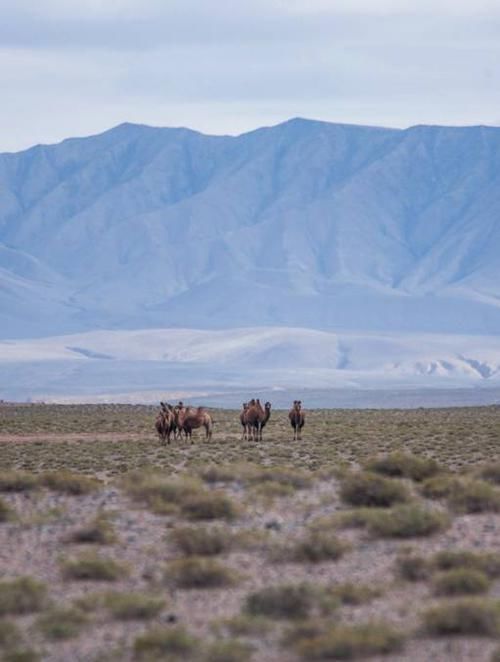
76, 67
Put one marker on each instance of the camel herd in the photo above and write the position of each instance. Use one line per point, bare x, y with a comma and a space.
178, 420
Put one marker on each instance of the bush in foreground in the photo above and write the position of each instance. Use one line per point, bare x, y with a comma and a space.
314, 548
475, 496
198, 572
165, 644
97, 532
367, 489
281, 602
23, 595
229, 650
349, 642
133, 606
407, 521
487, 562
90, 567
402, 465
461, 581
466, 617
17, 481
199, 541
68, 483
59, 624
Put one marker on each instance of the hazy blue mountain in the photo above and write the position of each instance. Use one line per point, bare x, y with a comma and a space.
304, 224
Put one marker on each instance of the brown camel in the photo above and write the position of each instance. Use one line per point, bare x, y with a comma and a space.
297, 419
189, 419
243, 414
257, 417
163, 423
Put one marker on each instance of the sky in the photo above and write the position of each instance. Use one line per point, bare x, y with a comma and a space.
78, 67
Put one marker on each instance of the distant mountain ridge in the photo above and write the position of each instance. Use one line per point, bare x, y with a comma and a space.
306, 223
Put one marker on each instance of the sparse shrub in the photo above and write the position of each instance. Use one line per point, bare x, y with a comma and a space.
461, 581
474, 496
491, 473
160, 493
58, 624
199, 572
474, 617
272, 490
354, 594
93, 568
348, 642
284, 601
402, 465
365, 489
202, 541
244, 625
412, 567
68, 483
440, 487
98, 532
9, 634
407, 521
21, 655
130, 606
17, 481
229, 650
6, 512
487, 562
316, 547
209, 506
286, 476
23, 595
165, 643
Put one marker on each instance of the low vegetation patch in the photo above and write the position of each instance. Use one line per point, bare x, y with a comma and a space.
466, 617
199, 572
159, 492
200, 541
486, 562
461, 581
402, 465
23, 595
407, 521
281, 602
412, 567
165, 643
6, 512
475, 496
244, 625
9, 634
491, 473
99, 531
228, 650
440, 487
354, 594
59, 624
91, 567
17, 481
349, 642
133, 606
368, 489
209, 506
314, 548
21, 655
68, 483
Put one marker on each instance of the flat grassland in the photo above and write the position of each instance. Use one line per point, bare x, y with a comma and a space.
376, 536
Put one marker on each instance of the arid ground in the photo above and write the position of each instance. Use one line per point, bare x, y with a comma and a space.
376, 536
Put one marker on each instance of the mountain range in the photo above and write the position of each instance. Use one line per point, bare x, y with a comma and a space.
304, 224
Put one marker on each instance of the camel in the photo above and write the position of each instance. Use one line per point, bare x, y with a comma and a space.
163, 423
245, 435
297, 419
257, 417
189, 419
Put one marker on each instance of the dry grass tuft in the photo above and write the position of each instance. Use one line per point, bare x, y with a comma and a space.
487, 562
367, 489
402, 465
133, 606
17, 481
199, 572
229, 650
209, 506
60, 624
165, 644
412, 568
407, 521
68, 483
159, 492
316, 547
461, 581
91, 567
475, 496
23, 595
281, 602
473, 617
99, 531
440, 487
6, 512
200, 541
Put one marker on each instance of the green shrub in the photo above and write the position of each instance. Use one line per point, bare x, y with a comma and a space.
17, 481
461, 581
162, 494
68, 483
314, 548
133, 606
209, 506
9, 634
440, 487
354, 594
474, 496
487, 562
200, 541
365, 489
244, 625
6, 512
402, 465
98, 532
21, 655
349, 642
58, 624
229, 650
473, 617
491, 473
412, 568
165, 643
407, 521
23, 595
93, 568
199, 572
284, 601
